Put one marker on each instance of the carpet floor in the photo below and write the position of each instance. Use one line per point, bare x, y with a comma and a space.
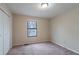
46, 48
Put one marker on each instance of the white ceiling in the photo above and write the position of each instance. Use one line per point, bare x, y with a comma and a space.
34, 9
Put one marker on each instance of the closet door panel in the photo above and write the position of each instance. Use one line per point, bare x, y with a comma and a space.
1, 32
6, 34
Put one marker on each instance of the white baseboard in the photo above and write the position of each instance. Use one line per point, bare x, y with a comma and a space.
30, 43
66, 47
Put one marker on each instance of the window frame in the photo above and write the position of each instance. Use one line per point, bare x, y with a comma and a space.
31, 28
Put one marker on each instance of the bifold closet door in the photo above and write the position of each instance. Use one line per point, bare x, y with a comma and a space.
6, 27
4, 33
1, 32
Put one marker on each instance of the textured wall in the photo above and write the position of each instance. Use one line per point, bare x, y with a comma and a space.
20, 30
65, 30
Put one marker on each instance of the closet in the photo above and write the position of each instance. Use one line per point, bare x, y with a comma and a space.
5, 33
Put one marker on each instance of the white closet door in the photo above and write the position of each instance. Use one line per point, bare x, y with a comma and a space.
6, 34
1, 32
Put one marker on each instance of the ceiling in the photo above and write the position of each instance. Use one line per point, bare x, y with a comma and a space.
35, 9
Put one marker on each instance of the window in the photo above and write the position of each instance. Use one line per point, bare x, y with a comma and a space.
31, 28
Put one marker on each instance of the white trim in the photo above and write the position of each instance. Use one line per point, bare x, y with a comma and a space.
66, 47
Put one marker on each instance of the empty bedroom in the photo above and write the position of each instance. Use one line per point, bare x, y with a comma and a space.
39, 28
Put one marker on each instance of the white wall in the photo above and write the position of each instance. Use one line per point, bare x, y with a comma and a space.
20, 30
65, 30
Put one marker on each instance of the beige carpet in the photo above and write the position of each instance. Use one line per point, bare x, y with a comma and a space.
46, 48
